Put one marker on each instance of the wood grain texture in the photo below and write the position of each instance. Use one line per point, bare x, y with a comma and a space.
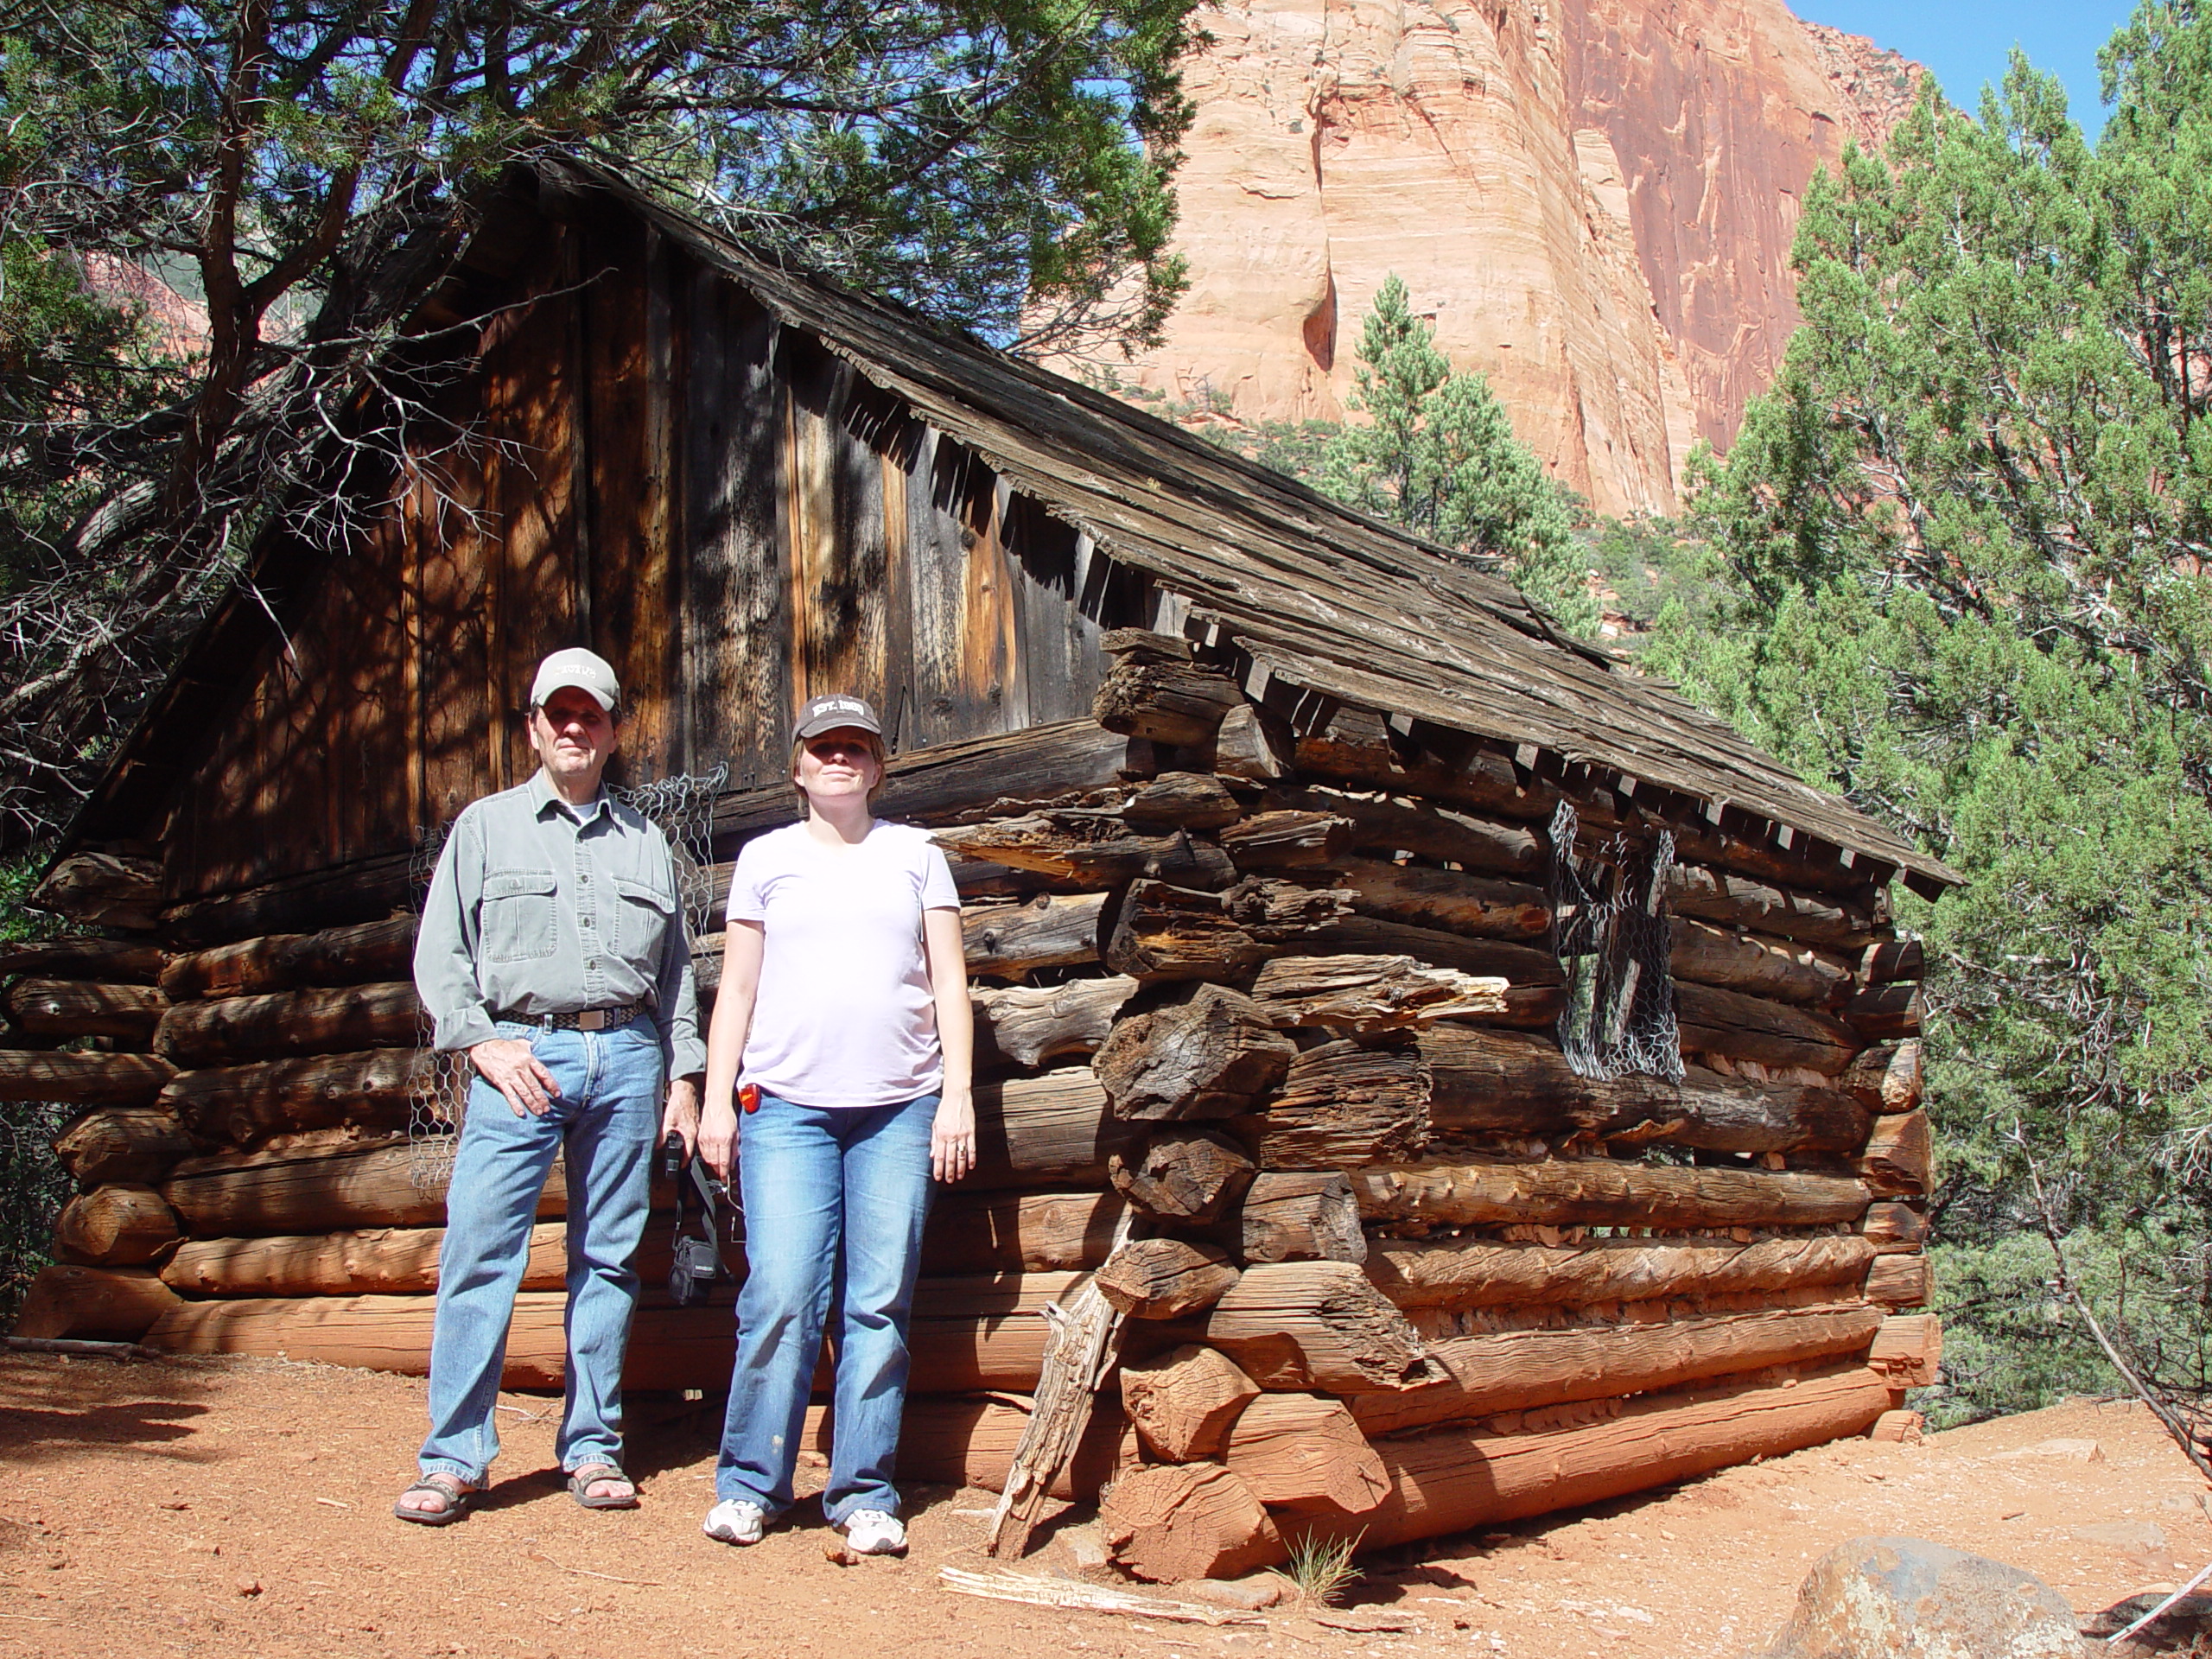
1464, 1273
1451, 1479
1513, 1370
1599, 1192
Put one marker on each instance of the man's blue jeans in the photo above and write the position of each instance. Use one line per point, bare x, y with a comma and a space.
816, 1178
605, 1118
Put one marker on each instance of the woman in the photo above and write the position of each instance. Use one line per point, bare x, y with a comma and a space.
844, 995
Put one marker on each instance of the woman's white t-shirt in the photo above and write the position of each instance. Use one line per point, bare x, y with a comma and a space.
844, 1016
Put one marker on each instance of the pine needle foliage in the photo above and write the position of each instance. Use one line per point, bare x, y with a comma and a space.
1960, 554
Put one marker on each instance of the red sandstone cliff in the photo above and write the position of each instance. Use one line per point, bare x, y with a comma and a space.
1593, 198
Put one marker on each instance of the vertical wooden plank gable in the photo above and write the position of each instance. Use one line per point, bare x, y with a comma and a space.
739, 623
633, 613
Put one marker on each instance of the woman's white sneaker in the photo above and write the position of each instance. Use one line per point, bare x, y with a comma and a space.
871, 1532
736, 1520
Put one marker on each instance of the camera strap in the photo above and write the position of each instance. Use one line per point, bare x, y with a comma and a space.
699, 1195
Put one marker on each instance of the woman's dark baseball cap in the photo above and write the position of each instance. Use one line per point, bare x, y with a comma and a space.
836, 712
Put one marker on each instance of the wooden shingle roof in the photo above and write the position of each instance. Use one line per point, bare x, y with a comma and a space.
1315, 594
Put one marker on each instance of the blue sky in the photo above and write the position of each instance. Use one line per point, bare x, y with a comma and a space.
1966, 43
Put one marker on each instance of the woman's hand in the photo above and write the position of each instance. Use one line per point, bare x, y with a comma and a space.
952, 1136
718, 1136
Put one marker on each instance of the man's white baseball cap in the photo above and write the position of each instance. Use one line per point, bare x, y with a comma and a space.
585, 670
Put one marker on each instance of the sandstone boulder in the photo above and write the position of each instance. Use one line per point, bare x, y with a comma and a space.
1908, 1599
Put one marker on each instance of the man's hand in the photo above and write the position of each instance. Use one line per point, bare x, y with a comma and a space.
682, 1116
718, 1137
952, 1136
508, 1065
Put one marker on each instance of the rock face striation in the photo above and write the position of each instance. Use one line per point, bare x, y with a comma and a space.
1594, 201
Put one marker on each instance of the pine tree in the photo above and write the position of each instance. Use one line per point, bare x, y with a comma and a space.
1438, 456
1962, 549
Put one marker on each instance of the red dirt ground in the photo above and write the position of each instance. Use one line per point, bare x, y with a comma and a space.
241, 1507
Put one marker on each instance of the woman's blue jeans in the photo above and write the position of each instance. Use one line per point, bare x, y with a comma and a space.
604, 1122
835, 1198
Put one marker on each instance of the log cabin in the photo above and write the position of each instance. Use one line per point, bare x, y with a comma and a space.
1266, 817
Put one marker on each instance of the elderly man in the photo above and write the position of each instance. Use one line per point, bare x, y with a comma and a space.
552, 952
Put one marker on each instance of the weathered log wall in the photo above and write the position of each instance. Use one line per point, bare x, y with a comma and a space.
1271, 994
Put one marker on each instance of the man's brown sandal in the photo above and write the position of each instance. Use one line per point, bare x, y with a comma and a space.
457, 1498
587, 1476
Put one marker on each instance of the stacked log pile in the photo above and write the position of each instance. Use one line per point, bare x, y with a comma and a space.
1264, 994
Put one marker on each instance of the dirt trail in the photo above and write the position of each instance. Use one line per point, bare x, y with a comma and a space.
242, 1508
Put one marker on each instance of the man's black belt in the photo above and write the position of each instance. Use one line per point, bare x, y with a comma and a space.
581, 1019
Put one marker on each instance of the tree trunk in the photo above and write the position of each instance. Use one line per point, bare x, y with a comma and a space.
1296, 1215
1737, 901
1165, 1278
1185, 1176
1355, 748
1254, 745
1028, 1232
1910, 1348
321, 1021
1898, 1281
1604, 1192
360, 955
966, 1439
1884, 1078
1038, 765
1457, 1478
1464, 1273
1183, 1402
137, 1144
1090, 848
1900, 1154
1480, 906
1893, 1227
1008, 941
317, 1190
1345, 1103
239, 1105
367, 892
670, 1347
1315, 1324
76, 1008
380, 1261
1165, 932
112, 961
103, 890
1368, 994
83, 1079
1519, 965
1511, 1083
1208, 1053
1751, 1028
1026, 1026
1888, 960
1166, 1523
1287, 840
1177, 704
1513, 1370
115, 1226
1882, 1012
1781, 970
1304, 1451
1052, 1128
1181, 800
1390, 826
67, 1301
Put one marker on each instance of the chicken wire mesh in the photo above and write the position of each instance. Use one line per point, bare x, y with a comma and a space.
683, 808
1614, 939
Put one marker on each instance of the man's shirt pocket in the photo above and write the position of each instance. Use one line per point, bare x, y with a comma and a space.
643, 917
521, 919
